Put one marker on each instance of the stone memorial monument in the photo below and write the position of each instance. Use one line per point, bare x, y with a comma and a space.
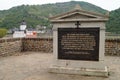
78, 43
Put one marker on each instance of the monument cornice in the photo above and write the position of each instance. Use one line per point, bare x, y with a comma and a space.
81, 20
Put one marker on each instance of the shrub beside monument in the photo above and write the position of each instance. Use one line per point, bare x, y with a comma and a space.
3, 32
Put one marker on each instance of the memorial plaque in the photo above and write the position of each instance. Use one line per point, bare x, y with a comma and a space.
78, 44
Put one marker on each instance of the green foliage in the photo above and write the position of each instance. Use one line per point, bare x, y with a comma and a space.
38, 14
2, 32
113, 25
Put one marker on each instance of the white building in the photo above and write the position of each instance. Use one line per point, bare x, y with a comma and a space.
22, 31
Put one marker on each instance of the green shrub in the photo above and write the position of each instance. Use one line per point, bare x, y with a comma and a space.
3, 32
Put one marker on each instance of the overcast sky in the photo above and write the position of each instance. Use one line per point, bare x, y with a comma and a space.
105, 4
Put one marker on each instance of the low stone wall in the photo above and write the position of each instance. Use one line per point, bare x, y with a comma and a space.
15, 45
38, 44
112, 47
10, 46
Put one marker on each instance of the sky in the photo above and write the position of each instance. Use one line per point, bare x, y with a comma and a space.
105, 4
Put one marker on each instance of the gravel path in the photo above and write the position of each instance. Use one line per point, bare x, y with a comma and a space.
34, 66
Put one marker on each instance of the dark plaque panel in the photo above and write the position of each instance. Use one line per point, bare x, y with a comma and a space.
78, 44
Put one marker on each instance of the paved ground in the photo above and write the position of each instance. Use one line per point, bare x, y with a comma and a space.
35, 66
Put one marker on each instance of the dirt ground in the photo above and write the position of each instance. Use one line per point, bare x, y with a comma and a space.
34, 66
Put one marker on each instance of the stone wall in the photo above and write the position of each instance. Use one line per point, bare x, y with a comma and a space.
112, 47
10, 46
38, 44
16, 45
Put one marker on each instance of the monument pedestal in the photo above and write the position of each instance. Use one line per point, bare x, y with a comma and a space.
92, 70
81, 71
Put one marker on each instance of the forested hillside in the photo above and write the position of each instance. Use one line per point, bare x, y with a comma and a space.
38, 14
113, 25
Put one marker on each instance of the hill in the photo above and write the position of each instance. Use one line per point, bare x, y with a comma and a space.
113, 25
38, 14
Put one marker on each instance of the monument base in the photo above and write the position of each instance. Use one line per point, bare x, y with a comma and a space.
80, 71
